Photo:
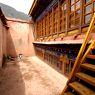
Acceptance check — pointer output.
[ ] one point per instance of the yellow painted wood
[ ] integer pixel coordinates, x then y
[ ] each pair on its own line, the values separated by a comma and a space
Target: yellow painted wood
87, 78
62, 35
81, 89
50, 37
82, 47
91, 56
84, 29
88, 50
73, 32
55, 36
88, 66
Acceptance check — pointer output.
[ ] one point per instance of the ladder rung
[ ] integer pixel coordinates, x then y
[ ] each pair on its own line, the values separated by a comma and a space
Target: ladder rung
91, 56
87, 78
81, 89
88, 66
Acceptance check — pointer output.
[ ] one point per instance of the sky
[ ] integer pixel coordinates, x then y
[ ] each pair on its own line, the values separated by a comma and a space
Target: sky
20, 5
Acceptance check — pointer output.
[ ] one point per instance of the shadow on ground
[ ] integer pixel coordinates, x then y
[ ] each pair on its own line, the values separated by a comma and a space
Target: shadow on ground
11, 80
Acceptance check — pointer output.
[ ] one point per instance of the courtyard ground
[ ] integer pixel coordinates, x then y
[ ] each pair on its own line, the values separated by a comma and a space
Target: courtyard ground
30, 77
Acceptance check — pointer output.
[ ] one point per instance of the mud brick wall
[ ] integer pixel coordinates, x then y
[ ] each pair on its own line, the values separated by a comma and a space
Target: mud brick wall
3, 37
20, 38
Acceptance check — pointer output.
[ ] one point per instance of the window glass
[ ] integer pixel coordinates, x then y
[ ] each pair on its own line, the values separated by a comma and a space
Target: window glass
72, 8
64, 9
72, 2
64, 6
88, 9
74, 12
87, 18
94, 6
78, 5
78, 13
64, 12
72, 16
87, 1
63, 17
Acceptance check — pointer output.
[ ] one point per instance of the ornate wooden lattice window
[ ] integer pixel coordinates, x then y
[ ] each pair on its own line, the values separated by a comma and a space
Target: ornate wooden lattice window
47, 25
38, 31
50, 23
42, 27
74, 13
89, 9
45, 20
63, 13
37, 35
55, 17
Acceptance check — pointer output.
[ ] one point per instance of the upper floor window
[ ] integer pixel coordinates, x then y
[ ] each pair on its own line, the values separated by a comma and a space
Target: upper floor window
89, 8
63, 14
74, 13
55, 18
50, 23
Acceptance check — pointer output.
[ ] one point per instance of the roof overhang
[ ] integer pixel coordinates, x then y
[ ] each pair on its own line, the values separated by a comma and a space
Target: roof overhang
61, 42
3, 19
38, 7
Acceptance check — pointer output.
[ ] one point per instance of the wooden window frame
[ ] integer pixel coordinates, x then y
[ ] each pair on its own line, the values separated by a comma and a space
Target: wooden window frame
74, 13
48, 30
84, 9
50, 24
55, 19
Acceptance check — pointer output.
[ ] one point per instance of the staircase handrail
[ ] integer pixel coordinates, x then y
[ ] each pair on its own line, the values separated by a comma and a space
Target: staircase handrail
92, 46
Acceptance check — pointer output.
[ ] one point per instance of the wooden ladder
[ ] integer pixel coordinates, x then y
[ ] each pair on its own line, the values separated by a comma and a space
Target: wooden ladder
82, 78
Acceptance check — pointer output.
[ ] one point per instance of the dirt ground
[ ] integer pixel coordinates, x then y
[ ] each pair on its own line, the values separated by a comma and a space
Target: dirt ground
30, 77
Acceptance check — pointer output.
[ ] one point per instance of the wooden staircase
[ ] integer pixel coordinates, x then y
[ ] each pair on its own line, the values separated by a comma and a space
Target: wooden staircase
82, 78
84, 81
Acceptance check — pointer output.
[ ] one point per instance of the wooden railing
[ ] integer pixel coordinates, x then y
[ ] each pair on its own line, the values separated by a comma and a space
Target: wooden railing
80, 54
92, 46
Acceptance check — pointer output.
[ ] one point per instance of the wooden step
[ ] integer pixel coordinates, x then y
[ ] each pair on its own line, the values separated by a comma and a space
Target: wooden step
91, 56
88, 66
87, 78
81, 89
68, 93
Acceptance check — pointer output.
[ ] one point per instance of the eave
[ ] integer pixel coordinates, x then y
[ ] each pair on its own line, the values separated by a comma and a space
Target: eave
38, 7
3, 19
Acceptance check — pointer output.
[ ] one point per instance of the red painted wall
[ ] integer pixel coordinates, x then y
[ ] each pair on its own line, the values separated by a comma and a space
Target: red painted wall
20, 38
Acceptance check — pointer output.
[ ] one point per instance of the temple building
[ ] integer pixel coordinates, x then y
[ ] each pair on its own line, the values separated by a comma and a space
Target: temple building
60, 28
